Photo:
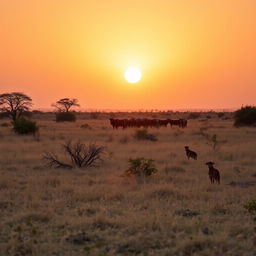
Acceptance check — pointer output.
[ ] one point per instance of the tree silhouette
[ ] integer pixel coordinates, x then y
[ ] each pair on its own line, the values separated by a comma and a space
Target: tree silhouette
64, 105
14, 104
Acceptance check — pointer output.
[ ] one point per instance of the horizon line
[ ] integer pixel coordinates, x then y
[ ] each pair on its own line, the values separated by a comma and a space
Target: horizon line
106, 110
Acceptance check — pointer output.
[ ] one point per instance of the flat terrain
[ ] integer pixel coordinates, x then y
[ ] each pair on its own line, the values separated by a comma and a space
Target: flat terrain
99, 211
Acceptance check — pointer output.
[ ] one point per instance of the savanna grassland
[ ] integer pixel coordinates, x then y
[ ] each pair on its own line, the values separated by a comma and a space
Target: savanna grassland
99, 211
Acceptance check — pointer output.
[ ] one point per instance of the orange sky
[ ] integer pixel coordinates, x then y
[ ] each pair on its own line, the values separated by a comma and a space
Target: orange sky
192, 54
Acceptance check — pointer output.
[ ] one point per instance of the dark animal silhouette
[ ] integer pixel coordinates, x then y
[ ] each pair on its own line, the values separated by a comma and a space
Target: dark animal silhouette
146, 123
190, 153
214, 174
182, 123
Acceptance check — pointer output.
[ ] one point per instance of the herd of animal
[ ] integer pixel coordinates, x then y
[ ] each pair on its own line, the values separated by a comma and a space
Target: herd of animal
146, 123
214, 174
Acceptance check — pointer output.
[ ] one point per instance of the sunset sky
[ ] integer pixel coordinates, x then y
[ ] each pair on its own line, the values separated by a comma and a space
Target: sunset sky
192, 54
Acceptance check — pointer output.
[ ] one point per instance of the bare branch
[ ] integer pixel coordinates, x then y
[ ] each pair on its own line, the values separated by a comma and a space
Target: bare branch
81, 156
53, 161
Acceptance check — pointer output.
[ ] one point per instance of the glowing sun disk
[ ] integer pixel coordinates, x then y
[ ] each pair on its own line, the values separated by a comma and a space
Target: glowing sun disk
132, 75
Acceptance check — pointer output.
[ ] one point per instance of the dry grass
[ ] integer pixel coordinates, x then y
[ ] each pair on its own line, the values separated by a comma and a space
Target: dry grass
98, 211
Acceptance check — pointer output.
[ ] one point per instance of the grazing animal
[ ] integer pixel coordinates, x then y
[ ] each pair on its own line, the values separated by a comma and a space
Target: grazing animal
145, 123
214, 174
182, 123
190, 153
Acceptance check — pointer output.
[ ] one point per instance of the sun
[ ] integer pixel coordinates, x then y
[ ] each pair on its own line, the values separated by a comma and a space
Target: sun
132, 75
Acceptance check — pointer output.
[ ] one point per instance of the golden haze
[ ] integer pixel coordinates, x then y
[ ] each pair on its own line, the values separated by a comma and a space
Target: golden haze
193, 54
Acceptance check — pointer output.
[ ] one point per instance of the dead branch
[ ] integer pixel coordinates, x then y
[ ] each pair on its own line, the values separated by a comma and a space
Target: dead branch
52, 161
80, 154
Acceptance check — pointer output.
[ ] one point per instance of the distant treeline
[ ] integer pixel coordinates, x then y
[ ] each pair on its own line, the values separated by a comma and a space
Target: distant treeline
39, 114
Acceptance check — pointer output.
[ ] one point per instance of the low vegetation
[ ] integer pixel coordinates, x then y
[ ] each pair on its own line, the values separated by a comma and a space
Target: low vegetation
102, 211
211, 139
246, 116
141, 167
251, 208
65, 117
143, 134
24, 126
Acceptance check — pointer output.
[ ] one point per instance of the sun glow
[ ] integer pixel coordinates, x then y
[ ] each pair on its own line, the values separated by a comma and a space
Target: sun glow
132, 75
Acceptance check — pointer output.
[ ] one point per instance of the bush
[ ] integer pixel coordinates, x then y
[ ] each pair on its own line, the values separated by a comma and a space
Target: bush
144, 135
65, 117
251, 208
141, 168
246, 116
24, 126
141, 134
80, 154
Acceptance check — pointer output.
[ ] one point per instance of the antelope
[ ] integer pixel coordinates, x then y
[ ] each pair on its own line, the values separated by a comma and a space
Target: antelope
214, 174
190, 153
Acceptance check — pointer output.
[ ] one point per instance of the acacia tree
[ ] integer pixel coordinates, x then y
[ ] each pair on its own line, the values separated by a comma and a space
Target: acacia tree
14, 104
64, 105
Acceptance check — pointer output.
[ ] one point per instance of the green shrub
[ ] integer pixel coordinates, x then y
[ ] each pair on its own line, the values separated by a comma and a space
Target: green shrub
65, 117
24, 126
246, 116
141, 167
143, 134
251, 207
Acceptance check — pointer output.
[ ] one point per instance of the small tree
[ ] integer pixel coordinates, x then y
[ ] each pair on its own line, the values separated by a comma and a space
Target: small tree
15, 104
246, 116
65, 104
141, 168
211, 139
